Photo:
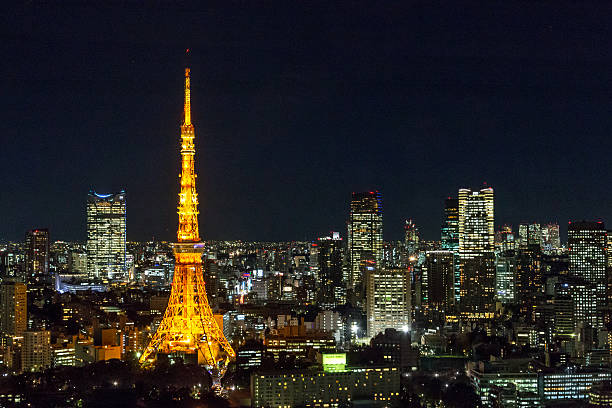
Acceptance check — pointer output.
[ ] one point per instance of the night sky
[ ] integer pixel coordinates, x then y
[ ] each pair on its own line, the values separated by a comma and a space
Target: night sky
296, 105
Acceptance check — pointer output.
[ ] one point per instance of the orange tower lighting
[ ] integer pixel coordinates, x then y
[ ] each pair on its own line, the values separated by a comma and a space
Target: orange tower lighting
188, 325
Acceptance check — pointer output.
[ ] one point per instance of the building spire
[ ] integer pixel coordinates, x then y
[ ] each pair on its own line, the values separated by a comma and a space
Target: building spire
188, 198
187, 98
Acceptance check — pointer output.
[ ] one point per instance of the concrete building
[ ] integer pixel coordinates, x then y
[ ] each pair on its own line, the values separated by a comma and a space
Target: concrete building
13, 308
328, 387
36, 352
388, 300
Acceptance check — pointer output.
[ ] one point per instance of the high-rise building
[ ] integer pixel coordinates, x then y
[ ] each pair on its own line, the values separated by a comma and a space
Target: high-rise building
332, 288
13, 308
587, 255
450, 226
439, 268
36, 353
529, 279
529, 234
388, 300
37, 256
563, 309
550, 239
505, 273
581, 295
365, 239
504, 239
106, 235
411, 238
584, 295
450, 239
476, 252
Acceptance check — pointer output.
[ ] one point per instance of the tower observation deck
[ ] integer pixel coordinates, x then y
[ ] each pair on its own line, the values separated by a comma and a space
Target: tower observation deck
188, 326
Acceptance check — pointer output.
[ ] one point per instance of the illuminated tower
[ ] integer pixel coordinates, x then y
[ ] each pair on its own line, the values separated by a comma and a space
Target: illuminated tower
476, 252
365, 240
188, 326
587, 260
106, 235
37, 255
450, 239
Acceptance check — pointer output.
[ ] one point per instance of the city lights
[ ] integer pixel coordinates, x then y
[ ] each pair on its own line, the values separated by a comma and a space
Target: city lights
342, 247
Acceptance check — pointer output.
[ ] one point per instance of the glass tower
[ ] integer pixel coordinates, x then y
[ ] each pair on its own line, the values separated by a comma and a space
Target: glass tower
332, 288
365, 239
476, 252
106, 235
37, 256
587, 255
450, 239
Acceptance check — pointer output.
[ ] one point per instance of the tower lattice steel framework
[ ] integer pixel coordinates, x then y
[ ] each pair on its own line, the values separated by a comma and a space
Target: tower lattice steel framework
188, 325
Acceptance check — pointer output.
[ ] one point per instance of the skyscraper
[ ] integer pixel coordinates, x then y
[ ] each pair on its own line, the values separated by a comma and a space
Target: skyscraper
450, 239
529, 234
365, 239
411, 238
529, 278
37, 256
505, 273
587, 255
476, 252
13, 308
439, 268
504, 239
388, 299
332, 289
450, 226
106, 235
550, 238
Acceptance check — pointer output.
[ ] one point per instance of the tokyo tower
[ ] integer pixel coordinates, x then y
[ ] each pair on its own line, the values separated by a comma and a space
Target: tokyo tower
188, 325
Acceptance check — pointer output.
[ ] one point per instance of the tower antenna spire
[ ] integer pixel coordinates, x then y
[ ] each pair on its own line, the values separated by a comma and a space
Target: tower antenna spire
187, 92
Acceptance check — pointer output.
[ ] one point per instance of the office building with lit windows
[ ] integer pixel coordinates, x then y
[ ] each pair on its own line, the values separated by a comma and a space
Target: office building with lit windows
529, 280
550, 238
36, 253
450, 239
587, 260
540, 384
365, 240
13, 308
571, 383
332, 386
505, 273
36, 354
529, 234
411, 238
332, 288
439, 268
476, 252
600, 395
106, 235
388, 304
583, 297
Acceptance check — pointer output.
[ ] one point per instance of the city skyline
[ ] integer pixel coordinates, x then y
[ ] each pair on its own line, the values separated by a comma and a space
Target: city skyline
292, 128
306, 205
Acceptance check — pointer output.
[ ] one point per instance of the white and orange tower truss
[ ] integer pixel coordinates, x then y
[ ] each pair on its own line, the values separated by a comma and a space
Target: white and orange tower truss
188, 325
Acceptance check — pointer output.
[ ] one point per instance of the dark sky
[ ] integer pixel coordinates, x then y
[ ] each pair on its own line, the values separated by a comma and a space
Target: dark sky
296, 105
